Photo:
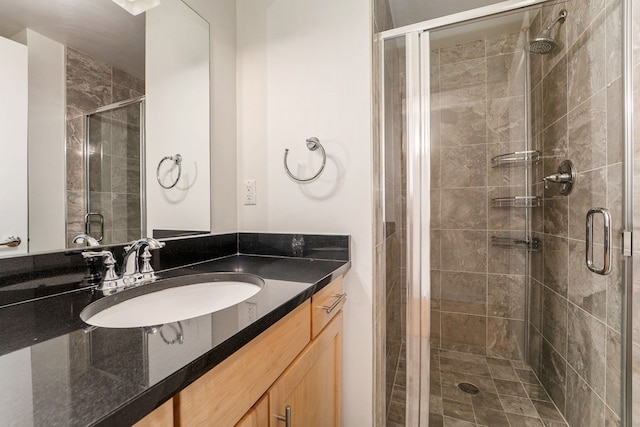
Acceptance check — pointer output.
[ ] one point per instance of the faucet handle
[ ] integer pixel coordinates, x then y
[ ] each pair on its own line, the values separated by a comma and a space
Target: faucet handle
146, 271
109, 263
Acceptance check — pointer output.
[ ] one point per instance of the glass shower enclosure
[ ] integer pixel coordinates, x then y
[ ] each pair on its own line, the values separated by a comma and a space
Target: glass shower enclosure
115, 189
503, 170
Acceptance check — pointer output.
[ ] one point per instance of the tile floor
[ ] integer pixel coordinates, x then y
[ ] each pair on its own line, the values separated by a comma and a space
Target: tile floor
510, 394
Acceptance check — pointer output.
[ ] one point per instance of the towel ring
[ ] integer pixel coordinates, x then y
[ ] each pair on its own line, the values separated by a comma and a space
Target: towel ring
313, 144
177, 159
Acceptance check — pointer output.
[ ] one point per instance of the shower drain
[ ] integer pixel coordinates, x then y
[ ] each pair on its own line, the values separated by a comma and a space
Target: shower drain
468, 388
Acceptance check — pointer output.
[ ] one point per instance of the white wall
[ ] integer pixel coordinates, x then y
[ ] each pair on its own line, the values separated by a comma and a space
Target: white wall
13, 144
221, 15
176, 64
304, 69
47, 184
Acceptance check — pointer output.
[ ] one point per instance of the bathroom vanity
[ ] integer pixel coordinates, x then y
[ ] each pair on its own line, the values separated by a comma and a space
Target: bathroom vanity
274, 355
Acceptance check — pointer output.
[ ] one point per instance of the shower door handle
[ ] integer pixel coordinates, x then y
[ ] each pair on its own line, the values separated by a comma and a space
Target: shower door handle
87, 224
606, 265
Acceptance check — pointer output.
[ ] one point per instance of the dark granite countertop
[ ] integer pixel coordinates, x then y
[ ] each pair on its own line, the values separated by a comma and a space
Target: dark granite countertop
55, 370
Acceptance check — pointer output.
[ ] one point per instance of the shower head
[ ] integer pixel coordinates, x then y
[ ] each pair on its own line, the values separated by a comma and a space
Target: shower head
543, 44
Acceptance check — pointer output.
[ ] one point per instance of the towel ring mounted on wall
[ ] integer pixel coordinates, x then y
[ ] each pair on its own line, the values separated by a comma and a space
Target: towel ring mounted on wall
313, 144
177, 159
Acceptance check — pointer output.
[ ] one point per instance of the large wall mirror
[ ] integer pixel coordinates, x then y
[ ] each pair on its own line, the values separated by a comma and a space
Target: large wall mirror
104, 123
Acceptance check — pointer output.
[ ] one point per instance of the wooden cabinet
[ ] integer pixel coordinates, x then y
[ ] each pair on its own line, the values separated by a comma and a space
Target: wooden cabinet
161, 417
310, 387
258, 416
296, 362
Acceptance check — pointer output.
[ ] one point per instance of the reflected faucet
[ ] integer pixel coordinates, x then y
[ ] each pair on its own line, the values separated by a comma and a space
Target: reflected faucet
131, 272
85, 238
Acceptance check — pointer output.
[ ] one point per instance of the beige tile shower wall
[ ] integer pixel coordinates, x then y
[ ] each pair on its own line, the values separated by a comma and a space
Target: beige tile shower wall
575, 315
477, 113
90, 85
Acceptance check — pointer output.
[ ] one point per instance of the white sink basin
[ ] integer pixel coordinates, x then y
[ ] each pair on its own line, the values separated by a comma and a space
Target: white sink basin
171, 300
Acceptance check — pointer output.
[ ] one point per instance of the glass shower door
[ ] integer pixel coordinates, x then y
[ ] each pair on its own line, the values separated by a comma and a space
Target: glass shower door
115, 184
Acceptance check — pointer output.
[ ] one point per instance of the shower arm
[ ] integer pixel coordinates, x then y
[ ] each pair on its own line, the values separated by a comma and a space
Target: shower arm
561, 17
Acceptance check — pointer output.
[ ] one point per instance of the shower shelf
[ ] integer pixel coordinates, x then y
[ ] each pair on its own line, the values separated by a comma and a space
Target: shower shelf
516, 202
528, 243
516, 158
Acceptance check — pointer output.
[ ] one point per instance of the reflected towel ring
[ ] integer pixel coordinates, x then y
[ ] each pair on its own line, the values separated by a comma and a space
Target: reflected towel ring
177, 159
313, 144
179, 339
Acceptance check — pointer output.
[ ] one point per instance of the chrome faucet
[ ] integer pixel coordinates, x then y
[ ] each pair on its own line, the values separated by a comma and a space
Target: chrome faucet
131, 272
85, 238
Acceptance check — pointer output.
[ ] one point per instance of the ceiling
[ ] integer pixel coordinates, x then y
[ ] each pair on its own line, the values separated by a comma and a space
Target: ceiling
405, 12
99, 28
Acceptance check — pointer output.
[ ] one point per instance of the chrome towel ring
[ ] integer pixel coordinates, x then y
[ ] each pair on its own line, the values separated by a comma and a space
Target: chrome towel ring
177, 159
313, 144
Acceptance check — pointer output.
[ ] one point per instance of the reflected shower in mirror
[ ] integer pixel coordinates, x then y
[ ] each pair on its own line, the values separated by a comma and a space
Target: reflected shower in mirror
78, 63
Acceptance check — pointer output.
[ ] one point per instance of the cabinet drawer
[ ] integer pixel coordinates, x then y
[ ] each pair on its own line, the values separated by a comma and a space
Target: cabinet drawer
325, 304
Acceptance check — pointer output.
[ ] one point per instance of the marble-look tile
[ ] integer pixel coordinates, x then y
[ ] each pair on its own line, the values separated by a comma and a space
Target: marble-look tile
436, 289
506, 75
463, 125
436, 243
486, 400
535, 101
591, 192
584, 408
130, 81
455, 422
505, 338
586, 290
435, 328
614, 372
436, 211
462, 332
535, 304
506, 296
78, 61
464, 208
464, 250
614, 42
554, 320
582, 15
554, 90
587, 132
527, 376
537, 392
449, 388
555, 146
510, 388
463, 166
435, 165
463, 82
125, 140
559, 33
435, 420
463, 52
535, 350
485, 383
502, 372
611, 419
616, 292
463, 368
506, 260
586, 64
75, 169
99, 172
491, 417
547, 410
556, 263
615, 188
504, 43
506, 119
464, 292
125, 175
85, 91
553, 374
101, 202
555, 212
518, 405
126, 211
523, 421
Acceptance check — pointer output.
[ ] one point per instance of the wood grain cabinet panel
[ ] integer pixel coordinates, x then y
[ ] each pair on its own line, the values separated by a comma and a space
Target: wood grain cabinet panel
225, 394
311, 386
325, 304
160, 417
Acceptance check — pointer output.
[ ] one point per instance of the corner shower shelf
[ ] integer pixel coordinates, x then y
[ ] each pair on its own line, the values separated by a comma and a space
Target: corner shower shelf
527, 243
516, 158
516, 202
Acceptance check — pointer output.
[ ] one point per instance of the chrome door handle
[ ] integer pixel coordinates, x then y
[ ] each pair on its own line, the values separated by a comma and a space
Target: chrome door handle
287, 416
606, 267
87, 224
12, 241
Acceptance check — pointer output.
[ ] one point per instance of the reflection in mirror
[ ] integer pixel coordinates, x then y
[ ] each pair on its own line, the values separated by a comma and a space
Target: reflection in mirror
89, 70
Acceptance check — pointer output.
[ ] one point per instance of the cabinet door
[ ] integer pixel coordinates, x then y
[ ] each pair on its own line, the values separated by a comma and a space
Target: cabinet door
311, 385
258, 416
